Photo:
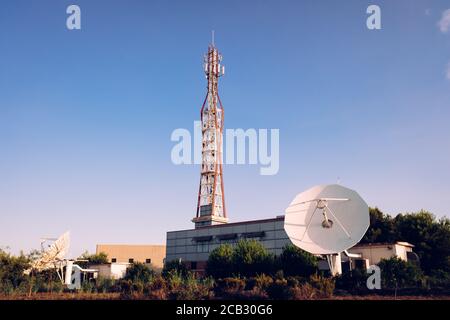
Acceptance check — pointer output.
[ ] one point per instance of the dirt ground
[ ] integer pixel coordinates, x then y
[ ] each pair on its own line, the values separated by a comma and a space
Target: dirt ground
116, 296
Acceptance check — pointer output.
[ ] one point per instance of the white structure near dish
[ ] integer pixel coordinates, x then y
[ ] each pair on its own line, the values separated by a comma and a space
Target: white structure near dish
114, 271
327, 220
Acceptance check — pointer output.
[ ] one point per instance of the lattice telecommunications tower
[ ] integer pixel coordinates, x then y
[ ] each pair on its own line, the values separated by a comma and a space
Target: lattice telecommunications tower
211, 198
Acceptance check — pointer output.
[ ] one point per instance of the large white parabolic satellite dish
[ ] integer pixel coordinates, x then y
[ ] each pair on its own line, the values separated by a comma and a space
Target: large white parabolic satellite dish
326, 219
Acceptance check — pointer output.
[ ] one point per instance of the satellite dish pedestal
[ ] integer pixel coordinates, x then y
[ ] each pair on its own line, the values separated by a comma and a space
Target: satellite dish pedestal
334, 262
68, 275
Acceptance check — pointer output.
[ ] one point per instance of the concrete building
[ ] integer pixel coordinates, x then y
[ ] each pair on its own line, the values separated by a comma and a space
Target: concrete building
374, 252
129, 253
193, 246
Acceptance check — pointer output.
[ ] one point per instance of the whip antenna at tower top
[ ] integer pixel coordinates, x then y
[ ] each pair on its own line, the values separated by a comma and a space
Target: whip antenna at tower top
212, 37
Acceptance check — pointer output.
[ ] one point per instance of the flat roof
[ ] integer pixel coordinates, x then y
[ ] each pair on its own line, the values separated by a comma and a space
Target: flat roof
383, 244
278, 218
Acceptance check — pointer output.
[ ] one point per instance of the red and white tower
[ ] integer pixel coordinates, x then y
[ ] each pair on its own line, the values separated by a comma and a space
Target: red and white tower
211, 198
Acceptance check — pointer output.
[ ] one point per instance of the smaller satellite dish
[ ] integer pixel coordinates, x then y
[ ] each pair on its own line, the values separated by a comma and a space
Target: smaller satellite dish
326, 219
54, 257
55, 253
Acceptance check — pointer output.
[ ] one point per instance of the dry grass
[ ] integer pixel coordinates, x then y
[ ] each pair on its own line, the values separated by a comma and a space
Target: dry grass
116, 296
63, 296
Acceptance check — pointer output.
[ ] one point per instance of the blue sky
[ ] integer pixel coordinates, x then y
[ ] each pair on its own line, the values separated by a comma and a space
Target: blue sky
86, 116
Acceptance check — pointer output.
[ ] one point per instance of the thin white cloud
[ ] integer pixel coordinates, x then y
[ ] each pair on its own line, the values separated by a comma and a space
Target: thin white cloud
444, 23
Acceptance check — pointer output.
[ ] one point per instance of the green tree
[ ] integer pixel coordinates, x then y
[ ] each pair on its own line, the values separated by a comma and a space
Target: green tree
382, 228
247, 258
430, 237
397, 273
139, 272
220, 262
250, 258
90, 259
11, 271
296, 262
99, 258
174, 266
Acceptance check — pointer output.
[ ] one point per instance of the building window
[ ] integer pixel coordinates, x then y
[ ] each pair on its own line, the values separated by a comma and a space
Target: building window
193, 265
203, 247
113, 260
148, 260
131, 260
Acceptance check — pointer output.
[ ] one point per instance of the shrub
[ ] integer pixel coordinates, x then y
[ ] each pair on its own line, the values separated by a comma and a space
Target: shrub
250, 258
125, 286
6, 287
87, 287
193, 291
220, 263
354, 281
157, 289
100, 258
263, 281
324, 286
438, 279
396, 273
230, 285
130, 290
174, 266
12, 271
295, 281
138, 287
254, 294
303, 291
296, 262
139, 272
279, 290
247, 259
104, 285
191, 288
174, 279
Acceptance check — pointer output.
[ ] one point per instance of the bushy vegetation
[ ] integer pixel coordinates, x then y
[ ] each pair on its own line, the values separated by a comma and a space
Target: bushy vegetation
398, 273
12, 272
175, 266
430, 236
14, 281
97, 258
247, 270
431, 240
296, 262
249, 258
220, 262
139, 273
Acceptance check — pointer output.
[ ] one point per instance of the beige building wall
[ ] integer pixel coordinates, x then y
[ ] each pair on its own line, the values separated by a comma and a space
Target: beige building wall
376, 252
126, 253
